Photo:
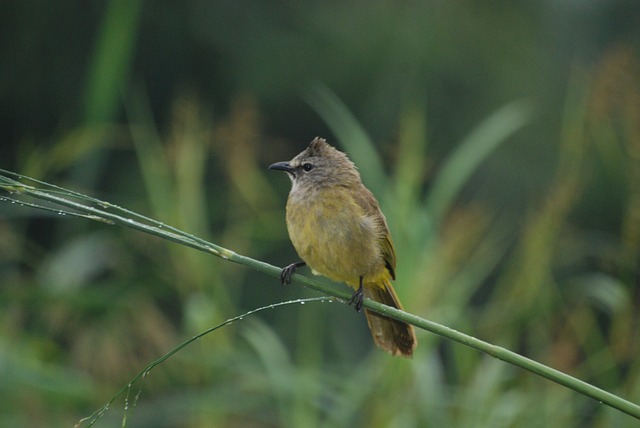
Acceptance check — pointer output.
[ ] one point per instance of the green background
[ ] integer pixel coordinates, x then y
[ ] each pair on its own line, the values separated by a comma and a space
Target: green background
501, 138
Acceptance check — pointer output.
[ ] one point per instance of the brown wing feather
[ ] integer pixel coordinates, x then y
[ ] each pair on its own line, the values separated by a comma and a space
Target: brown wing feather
370, 206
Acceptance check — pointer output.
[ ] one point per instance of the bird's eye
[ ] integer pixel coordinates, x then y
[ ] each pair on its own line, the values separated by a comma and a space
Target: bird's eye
307, 167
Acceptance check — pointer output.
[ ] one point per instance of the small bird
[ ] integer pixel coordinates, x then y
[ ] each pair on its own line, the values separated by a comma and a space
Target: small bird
337, 228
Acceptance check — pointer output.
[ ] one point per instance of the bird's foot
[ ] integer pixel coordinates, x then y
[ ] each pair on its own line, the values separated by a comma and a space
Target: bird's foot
287, 272
357, 298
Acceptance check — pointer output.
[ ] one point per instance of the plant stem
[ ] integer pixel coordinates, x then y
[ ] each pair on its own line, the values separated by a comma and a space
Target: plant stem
100, 211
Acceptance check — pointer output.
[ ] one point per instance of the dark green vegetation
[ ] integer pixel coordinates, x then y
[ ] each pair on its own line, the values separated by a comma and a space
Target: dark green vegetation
502, 140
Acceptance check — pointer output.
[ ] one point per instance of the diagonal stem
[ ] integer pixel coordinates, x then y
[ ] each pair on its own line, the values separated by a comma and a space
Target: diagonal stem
100, 211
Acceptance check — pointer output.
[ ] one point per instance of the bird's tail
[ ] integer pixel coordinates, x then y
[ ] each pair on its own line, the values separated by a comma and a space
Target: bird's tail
395, 337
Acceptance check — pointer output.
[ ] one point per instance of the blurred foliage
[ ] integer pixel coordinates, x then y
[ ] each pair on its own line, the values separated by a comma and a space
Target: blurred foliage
515, 221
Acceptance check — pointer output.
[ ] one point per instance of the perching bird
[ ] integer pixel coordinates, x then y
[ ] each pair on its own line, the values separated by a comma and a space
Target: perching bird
337, 228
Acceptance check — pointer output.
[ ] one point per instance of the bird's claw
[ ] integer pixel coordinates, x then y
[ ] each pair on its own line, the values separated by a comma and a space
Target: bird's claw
356, 299
287, 272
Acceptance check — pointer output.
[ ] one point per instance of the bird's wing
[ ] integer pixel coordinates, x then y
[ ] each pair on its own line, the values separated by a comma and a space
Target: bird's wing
371, 208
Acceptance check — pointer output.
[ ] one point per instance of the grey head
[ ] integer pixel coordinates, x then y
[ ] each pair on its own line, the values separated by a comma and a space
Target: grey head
320, 165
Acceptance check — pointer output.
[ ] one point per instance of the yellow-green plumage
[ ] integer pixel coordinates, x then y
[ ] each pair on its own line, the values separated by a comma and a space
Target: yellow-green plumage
329, 228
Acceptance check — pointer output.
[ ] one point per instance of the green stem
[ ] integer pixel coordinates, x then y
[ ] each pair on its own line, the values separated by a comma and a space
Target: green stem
510, 357
144, 224
91, 419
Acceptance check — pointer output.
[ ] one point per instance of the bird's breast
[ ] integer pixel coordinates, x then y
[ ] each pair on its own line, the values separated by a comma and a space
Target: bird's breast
334, 236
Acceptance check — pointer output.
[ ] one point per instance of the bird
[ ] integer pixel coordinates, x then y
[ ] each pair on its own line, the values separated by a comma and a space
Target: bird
338, 230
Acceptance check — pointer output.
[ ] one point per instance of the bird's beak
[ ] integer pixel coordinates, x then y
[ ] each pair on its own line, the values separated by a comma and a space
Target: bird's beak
281, 166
